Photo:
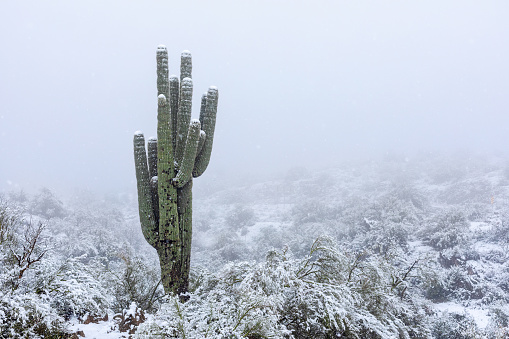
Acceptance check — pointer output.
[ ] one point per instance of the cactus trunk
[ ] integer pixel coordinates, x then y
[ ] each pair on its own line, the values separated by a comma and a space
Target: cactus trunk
164, 175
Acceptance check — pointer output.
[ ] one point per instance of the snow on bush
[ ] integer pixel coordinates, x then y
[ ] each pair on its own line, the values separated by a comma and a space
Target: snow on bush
326, 294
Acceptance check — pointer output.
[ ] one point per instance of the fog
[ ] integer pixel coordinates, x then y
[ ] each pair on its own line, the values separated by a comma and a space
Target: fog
300, 83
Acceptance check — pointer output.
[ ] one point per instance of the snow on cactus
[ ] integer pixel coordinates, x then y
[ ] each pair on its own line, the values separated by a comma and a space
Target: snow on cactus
180, 152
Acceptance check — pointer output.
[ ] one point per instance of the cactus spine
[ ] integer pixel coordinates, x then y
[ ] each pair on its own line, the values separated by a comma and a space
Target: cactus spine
165, 174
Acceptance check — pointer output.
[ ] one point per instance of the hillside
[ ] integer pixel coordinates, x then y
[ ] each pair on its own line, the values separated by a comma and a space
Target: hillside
398, 247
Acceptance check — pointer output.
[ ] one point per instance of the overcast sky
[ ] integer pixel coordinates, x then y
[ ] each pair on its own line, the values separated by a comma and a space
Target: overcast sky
306, 83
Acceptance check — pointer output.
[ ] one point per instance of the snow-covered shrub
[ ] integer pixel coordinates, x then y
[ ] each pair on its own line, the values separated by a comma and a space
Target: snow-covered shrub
129, 319
382, 225
75, 289
326, 294
134, 280
313, 211
29, 315
40, 288
240, 216
47, 205
89, 234
9, 218
498, 327
25, 311
446, 230
500, 227
24, 251
228, 246
455, 326
382, 238
435, 288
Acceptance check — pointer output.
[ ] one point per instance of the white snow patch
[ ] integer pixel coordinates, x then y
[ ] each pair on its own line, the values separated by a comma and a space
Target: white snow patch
102, 330
419, 247
480, 316
477, 226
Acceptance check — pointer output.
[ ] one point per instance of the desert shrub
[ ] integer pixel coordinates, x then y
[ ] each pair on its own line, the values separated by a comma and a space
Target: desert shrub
29, 316
323, 295
313, 211
500, 228
455, 326
47, 205
134, 279
75, 288
435, 289
498, 326
240, 216
39, 288
446, 230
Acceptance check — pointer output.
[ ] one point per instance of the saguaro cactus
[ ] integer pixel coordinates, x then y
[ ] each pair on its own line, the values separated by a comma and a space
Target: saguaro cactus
165, 175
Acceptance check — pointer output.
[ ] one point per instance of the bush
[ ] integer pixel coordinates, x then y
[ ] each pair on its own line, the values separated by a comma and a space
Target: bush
240, 216
323, 295
455, 326
29, 316
447, 230
46, 204
135, 280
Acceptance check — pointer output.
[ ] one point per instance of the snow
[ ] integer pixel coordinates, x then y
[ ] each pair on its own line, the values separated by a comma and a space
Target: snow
102, 330
138, 133
476, 226
480, 316
161, 99
132, 310
419, 247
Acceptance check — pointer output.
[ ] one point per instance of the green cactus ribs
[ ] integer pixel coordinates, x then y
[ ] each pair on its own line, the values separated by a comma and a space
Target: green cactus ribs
166, 167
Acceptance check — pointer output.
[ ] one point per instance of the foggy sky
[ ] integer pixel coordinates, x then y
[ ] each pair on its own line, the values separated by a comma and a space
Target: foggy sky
300, 83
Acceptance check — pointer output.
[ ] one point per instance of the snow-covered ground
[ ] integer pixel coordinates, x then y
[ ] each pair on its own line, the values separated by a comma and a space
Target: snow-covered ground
101, 330
480, 315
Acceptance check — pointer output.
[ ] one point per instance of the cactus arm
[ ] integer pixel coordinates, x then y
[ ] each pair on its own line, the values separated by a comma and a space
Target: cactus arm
201, 142
186, 65
162, 71
187, 164
203, 107
152, 157
203, 135
184, 116
155, 200
174, 106
208, 121
147, 218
